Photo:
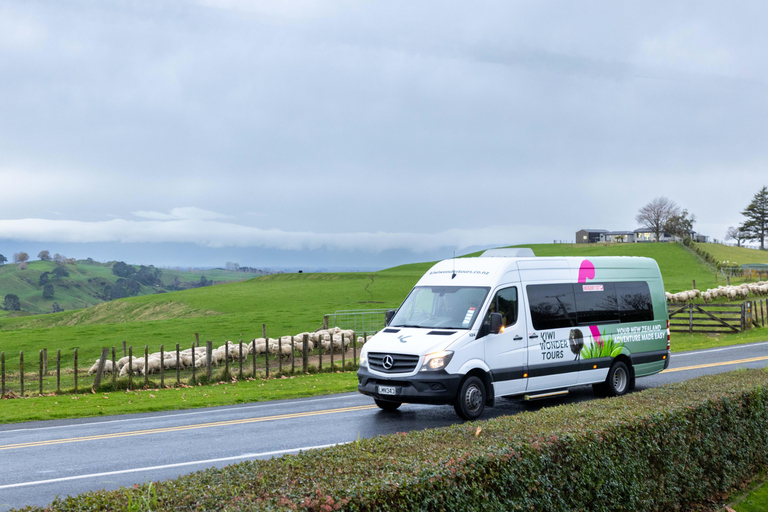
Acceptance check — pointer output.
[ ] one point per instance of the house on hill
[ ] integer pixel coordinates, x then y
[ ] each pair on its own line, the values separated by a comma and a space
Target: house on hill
640, 235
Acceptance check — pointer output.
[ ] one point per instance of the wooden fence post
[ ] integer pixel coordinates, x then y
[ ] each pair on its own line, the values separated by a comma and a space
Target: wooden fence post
21, 371
75, 370
41, 372
266, 351
304, 355
354, 349
100, 370
280, 355
178, 363
320, 355
58, 370
197, 339
114, 369
146, 366
293, 355
124, 351
226, 359
332, 348
325, 322
130, 367
208, 355
193, 362
690, 318
241, 359
2, 371
253, 353
343, 354
162, 365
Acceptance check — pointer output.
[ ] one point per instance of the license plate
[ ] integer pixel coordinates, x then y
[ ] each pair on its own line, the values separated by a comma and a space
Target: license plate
387, 390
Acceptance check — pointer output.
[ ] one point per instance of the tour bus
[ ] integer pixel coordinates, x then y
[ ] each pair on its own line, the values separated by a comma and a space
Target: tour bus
510, 324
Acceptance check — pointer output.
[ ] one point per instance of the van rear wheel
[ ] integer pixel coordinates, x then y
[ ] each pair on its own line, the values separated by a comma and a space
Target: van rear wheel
470, 401
387, 406
618, 380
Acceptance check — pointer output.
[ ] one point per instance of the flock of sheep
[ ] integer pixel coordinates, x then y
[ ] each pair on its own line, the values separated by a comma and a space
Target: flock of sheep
334, 339
731, 292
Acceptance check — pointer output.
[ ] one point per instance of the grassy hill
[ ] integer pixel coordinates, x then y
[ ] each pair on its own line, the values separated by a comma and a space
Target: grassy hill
286, 303
85, 284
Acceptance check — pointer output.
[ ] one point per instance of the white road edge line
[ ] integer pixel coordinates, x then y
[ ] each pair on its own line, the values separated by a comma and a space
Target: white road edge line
706, 351
206, 410
168, 466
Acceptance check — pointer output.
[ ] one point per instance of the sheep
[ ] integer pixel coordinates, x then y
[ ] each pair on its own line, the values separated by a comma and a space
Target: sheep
137, 364
95, 367
153, 366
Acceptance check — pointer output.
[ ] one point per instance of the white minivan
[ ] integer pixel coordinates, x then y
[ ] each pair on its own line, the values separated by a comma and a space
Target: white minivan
508, 323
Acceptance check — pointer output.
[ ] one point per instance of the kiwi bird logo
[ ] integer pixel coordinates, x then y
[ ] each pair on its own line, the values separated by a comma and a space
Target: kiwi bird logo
576, 342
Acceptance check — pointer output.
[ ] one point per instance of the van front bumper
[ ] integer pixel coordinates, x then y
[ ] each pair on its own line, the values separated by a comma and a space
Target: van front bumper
424, 388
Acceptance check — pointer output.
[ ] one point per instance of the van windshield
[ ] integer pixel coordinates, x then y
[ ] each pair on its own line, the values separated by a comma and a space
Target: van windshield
443, 307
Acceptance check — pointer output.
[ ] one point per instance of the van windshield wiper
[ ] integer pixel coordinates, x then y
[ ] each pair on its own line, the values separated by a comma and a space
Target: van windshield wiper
417, 326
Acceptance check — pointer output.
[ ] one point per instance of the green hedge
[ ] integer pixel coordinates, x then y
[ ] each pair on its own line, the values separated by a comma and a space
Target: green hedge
667, 448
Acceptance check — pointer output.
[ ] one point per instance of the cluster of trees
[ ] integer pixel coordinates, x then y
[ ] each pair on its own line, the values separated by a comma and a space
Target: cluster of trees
130, 280
662, 215
755, 227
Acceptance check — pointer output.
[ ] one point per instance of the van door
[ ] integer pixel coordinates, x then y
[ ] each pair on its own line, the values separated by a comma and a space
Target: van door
551, 363
505, 353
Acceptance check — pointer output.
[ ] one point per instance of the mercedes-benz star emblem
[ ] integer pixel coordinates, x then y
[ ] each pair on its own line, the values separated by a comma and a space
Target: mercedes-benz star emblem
388, 363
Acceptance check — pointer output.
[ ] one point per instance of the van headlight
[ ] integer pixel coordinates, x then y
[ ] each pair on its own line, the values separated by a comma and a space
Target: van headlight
363, 362
436, 361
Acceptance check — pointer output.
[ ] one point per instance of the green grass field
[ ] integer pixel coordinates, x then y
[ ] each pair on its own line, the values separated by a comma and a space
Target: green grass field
84, 286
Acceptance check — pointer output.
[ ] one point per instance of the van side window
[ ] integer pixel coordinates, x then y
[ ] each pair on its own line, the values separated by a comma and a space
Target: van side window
568, 305
505, 302
635, 304
596, 303
552, 306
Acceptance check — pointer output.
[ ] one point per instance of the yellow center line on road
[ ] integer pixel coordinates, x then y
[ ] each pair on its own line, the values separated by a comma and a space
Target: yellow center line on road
187, 427
724, 363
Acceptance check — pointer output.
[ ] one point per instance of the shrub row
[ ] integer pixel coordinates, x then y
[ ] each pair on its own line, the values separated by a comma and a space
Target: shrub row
668, 448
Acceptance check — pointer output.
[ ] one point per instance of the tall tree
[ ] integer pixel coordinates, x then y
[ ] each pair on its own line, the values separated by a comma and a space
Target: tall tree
20, 257
680, 225
44, 278
3, 259
756, 225
656, 214
48, 291
12, 302
44, 255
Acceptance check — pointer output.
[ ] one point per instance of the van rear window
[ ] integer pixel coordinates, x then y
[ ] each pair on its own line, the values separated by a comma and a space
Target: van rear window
570, 304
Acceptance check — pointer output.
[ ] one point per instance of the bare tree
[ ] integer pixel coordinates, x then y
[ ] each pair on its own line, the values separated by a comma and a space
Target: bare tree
735, 234
655, 215
44, 255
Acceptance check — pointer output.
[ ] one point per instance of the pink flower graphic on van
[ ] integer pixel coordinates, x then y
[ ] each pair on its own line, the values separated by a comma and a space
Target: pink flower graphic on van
586, 271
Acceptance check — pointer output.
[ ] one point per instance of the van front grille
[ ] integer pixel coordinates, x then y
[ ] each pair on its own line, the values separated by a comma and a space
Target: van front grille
392, 363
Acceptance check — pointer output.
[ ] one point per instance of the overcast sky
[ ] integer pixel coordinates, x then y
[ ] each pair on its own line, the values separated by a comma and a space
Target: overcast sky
368, 134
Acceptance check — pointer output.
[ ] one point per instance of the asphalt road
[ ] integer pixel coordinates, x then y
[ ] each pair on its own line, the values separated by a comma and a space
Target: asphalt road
41, 460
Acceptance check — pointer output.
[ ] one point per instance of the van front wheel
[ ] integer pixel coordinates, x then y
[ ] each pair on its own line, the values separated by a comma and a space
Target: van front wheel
470, 401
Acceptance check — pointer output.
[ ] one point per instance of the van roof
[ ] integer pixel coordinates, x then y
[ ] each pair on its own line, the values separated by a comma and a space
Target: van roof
490, 270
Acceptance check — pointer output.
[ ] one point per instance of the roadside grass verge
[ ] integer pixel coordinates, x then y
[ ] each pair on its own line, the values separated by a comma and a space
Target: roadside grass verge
87, 404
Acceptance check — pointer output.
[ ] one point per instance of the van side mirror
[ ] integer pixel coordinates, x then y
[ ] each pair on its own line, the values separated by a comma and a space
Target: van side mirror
496, 323
388, 316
